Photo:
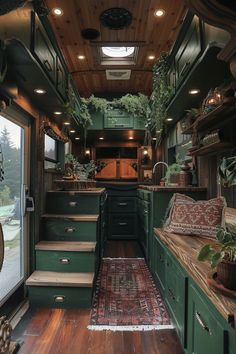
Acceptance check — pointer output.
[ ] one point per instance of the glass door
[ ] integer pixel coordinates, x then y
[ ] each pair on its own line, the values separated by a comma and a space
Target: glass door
14, 140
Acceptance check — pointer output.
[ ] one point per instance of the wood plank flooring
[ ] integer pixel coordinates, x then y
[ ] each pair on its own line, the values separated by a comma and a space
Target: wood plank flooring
56, 331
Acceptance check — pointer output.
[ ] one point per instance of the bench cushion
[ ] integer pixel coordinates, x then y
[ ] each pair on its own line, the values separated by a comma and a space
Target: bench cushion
197, 218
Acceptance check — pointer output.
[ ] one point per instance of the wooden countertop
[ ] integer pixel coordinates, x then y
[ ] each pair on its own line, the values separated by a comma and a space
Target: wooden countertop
156, 188
89, 191
185, 249
72, 217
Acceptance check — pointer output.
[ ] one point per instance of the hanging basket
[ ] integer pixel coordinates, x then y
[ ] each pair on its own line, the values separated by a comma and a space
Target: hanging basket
9, 5
54, 132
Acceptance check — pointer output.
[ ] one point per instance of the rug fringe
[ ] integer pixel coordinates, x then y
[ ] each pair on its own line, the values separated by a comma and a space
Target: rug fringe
129, 328
122, 258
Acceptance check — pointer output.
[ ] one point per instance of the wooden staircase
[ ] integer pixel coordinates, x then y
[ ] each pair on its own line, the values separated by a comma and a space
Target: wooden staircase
66, 259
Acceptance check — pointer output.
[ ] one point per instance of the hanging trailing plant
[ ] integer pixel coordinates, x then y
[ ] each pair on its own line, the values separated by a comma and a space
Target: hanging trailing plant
97, 103
159, 98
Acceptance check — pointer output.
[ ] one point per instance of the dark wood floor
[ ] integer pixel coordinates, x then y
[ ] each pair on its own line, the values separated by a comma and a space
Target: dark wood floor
55, 331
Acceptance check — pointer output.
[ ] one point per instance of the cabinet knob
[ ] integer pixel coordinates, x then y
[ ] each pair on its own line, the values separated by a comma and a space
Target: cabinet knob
70, 229
73, 204
123, 223
65, 260
59, 298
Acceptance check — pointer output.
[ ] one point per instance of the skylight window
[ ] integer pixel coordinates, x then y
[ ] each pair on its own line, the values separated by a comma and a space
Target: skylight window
118, 52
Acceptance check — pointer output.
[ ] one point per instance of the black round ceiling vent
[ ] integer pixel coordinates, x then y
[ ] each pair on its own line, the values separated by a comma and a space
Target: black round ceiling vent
116, 18
90, 34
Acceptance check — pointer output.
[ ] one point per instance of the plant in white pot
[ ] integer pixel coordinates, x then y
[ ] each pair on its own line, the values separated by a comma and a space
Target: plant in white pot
222, 256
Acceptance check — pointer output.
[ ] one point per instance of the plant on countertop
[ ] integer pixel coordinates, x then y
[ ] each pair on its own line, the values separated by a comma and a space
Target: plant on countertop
227, 171
173, 169
222, 254
74, 167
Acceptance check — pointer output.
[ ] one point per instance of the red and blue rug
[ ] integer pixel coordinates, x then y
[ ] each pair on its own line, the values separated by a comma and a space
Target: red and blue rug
126, 298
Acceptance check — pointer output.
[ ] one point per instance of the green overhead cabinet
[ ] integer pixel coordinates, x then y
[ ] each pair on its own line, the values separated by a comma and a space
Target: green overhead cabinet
189, 50
118, 119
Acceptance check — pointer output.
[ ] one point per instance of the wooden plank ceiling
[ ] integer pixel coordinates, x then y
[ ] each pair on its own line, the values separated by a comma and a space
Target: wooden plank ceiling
157, 34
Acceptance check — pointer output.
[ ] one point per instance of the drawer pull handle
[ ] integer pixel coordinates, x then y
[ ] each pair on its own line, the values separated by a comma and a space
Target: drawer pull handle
119, 125
201, 322
69, 229
59, 298
73, 204
65, 260
48, 65
145, 211
122, 204
123, 223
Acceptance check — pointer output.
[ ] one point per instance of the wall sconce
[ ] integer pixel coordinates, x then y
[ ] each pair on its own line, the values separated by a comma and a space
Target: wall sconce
87, 152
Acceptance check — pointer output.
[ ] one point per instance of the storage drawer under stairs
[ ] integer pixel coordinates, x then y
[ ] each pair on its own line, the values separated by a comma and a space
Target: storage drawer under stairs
61, 256
70, 227
63, 290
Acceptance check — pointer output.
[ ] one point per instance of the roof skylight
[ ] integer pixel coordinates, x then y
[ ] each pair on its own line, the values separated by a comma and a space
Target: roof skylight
118, 52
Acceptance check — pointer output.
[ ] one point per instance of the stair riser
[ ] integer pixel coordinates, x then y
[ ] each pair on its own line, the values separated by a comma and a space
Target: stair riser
41, 296
64, 230
62, 203
56, 261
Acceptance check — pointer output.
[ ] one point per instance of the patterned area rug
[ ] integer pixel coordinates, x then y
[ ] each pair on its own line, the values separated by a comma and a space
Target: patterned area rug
126, 298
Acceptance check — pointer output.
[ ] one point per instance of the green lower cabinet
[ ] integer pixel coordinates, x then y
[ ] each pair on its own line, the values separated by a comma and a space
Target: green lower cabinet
63, 261
122, 226
175, 294
65, 297
205, 332
159, 262
66, 230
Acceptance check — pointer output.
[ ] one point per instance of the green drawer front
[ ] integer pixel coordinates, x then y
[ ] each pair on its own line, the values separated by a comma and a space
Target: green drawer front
205, 333
122, 204
122, 226
144, 195
63, 230
159, 262
65, 297
63, 203
118, 119
61, 261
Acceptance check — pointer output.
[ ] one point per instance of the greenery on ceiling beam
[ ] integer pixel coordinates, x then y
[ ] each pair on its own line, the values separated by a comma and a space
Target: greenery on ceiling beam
159, 98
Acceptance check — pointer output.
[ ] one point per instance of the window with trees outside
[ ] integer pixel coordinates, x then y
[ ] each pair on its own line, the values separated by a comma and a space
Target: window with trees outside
50, 152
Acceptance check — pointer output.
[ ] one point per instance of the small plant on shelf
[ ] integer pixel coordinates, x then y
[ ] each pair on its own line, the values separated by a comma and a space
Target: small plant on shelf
222, 255
227, 171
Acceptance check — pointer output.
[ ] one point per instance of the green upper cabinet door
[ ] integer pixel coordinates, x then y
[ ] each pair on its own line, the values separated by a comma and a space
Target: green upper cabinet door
205, 332
61, 82
43, 50
97, 119
189, 50
118, 119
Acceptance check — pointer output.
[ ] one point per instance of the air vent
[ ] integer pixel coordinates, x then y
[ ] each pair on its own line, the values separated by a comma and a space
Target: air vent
90, 34
118, 74
116, 18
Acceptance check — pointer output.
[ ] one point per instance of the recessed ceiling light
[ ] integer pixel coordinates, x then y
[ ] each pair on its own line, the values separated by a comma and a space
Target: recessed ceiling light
81, 57
40, 91
72, 131
77, 138
57, 113
169, 119
66, 123
194, 91
57, 11
131, 137
151, 57
159, 13
101, 138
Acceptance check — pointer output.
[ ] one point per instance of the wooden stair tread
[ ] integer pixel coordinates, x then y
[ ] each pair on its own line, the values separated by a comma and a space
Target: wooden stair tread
44, 278
72, 217
71, 246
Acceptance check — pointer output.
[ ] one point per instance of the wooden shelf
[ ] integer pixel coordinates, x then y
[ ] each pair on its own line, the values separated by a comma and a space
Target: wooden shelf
212, 148
218, 115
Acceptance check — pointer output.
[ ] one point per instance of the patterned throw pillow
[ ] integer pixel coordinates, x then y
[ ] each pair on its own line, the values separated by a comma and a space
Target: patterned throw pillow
198, 218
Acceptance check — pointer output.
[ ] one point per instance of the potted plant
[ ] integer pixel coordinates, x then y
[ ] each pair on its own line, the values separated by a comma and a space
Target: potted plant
222, 256
227, 171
